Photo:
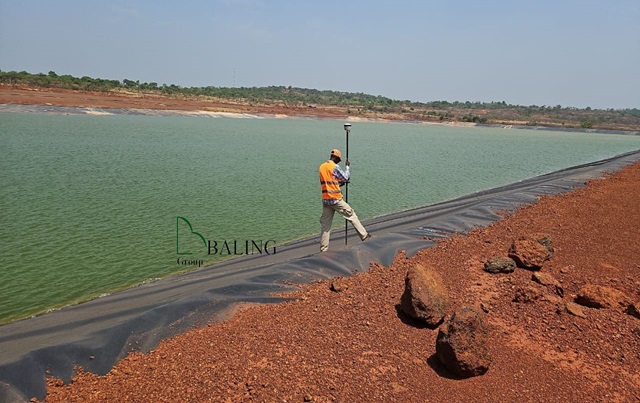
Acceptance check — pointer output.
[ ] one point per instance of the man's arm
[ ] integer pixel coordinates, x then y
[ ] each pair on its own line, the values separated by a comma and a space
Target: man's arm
340, 175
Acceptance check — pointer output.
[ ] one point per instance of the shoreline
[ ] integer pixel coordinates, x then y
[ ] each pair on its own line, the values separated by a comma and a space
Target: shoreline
340, 263
104, 111
99, 103
112, 111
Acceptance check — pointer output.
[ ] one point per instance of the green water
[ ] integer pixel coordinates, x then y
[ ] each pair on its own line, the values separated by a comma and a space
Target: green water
89, 203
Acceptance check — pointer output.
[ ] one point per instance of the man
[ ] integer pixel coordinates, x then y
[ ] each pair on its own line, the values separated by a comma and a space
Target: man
331, 178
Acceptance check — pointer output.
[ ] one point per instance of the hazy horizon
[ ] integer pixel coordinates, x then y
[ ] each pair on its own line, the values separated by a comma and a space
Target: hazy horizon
570, 53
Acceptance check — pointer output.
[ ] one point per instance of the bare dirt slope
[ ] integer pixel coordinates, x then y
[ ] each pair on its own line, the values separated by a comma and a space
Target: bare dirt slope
62, 97
353, 345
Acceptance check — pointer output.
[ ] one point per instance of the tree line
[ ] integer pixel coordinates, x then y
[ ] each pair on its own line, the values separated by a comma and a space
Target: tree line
355, 103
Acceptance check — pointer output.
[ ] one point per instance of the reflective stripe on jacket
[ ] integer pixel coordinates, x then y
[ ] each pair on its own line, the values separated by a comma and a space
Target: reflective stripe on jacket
330, 186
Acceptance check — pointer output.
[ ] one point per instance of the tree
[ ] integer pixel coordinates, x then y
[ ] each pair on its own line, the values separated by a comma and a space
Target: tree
130, 83
586, 125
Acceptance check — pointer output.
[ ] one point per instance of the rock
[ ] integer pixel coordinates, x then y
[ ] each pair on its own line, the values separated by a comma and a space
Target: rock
528, 253
527, 294
545, 240
634, 309
462, 343
425, 297
596, 296
548, 281
567, 269
553, 298
338, 285
574, 309
499, 264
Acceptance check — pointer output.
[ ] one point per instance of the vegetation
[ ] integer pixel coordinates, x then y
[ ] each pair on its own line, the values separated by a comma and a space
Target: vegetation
357, 104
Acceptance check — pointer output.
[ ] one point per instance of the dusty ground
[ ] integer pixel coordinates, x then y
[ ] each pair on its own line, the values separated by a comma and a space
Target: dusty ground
61, 97
122, 99
353, 346
126, 99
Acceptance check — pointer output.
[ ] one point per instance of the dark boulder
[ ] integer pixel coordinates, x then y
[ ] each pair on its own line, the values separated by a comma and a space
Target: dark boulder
462, 343
499, 264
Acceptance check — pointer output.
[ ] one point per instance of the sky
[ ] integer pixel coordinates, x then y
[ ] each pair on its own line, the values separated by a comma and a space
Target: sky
562, 52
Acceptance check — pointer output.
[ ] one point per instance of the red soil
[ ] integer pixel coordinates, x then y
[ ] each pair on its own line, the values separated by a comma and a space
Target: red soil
352, 346
62, 97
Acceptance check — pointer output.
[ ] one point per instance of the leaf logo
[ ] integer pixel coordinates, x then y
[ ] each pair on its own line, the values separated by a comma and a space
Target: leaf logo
192, 232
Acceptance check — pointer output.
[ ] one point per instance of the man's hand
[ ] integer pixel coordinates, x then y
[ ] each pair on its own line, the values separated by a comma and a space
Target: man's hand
346, 163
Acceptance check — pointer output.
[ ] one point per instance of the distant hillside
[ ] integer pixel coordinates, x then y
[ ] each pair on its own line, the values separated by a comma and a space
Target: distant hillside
355, 104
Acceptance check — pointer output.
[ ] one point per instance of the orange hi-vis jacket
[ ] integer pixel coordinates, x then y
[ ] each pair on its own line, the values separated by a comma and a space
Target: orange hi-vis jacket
330, 186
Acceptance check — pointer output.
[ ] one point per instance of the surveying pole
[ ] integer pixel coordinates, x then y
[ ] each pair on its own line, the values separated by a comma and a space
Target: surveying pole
347, 128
